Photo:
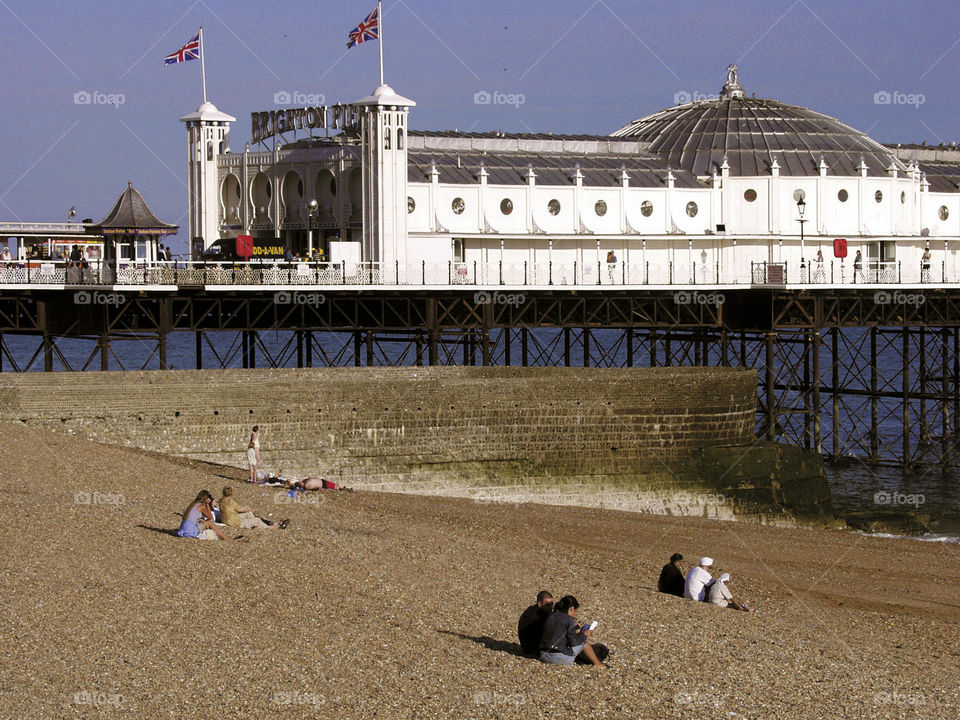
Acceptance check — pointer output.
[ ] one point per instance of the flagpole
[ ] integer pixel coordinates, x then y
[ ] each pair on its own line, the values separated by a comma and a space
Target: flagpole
203, 69
380, 20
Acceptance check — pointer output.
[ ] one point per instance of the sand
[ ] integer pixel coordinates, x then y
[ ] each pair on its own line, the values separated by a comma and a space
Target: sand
375, 605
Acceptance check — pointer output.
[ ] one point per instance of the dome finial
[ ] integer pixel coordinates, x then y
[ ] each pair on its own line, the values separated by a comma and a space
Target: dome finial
732, 88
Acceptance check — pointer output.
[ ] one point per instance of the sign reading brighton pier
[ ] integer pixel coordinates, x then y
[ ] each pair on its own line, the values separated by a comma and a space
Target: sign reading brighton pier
274, 122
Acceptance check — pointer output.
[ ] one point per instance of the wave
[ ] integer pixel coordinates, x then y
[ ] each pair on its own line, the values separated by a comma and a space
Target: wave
950, 539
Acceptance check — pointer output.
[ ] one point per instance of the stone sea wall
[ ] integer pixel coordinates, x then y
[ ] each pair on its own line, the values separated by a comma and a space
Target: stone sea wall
669, 440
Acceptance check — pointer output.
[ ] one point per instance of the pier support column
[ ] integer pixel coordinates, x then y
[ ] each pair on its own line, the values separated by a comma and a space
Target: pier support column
299, 335
586, 347
104, 352
165, 311
874, 410
835, 390
817, 409
629, 347
309, 348
944, 399
771, 399
905, 369
434, 330
524, 348
198, 342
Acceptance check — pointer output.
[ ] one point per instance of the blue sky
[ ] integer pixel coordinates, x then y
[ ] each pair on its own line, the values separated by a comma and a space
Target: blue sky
585, 67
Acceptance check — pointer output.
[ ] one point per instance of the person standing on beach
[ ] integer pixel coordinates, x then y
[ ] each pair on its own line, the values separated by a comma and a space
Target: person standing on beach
530, 625
671, 577
697, 580
253, 453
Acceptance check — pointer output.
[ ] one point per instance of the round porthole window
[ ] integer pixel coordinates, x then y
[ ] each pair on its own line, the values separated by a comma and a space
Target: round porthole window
646, 208
944, 212
843, 195
553, 207
878, 196
458, 206
903, 198
750, 195
411, 205
600, 208
799, 195
692, 209
506, 206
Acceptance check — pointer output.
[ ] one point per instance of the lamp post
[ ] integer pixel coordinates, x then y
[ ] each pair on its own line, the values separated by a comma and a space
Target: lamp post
312, 209
801, 207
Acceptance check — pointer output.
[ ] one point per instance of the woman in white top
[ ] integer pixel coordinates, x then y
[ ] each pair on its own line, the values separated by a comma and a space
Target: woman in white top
253, 453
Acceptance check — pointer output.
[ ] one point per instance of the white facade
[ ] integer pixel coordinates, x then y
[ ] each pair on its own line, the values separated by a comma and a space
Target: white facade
517, 209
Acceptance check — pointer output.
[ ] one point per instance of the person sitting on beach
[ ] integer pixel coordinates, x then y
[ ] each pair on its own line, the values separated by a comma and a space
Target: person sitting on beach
720, 595
671, 577
197, 520
564, 639
241, 517
530, 625
698, 578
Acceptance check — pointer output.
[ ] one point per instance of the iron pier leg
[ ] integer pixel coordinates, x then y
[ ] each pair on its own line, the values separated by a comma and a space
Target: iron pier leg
874, 400
299, 348
629, 347
922, 377
370, 353
104, 352
434, 330
956, 381
506, 346
309, 348
817, 438
198, 343
724, 348
419, 342
771, 389
835, 390
524, 356
906, 397
586, 347
944, 399
807, 400
357, 344
652, 339
566, 347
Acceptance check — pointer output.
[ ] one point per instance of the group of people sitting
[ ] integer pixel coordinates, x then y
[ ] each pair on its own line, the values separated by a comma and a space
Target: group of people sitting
199, 520
698, 584
552, 632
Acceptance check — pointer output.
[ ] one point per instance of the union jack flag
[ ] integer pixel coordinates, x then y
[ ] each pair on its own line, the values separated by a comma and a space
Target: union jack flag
369, 29
190, 51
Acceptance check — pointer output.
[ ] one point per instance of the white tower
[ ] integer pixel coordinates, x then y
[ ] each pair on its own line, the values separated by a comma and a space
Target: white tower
208, 135
383, 124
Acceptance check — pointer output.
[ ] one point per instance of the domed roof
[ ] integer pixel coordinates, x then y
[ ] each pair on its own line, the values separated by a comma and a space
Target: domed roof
752, 133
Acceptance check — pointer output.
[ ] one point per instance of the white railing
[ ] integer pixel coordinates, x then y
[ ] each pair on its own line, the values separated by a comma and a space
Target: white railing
543, 274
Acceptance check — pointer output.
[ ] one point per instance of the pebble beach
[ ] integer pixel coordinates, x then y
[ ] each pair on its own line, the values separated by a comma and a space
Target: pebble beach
378, 605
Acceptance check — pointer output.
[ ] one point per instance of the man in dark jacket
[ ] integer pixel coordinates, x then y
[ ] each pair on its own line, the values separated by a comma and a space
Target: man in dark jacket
671, 577
530, 626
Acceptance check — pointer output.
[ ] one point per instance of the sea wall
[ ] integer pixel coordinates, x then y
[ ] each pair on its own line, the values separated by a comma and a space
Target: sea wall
669, 440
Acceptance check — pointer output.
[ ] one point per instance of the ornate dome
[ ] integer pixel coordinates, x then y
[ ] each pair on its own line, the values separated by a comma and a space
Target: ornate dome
752, 133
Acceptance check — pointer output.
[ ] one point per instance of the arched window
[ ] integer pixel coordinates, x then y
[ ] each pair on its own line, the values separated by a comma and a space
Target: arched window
209, 151
399, 138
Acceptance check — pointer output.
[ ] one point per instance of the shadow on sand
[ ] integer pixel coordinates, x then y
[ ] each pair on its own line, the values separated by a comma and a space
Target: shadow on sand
164, 531
489, 643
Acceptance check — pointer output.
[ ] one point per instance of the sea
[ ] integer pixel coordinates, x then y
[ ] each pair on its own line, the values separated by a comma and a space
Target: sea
857, 487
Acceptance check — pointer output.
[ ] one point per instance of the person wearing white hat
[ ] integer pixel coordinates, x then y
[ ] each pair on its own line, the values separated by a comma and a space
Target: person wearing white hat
721, 595
697, 579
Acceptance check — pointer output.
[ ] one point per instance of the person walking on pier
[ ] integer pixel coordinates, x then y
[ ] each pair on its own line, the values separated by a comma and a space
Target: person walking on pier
925, 266
858, 268
611, 265
253, 453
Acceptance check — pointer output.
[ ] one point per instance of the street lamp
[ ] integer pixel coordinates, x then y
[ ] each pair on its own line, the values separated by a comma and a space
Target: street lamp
312, 209
801, 207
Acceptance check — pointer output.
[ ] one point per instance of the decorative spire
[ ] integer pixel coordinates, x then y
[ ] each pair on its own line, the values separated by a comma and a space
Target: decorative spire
732, 88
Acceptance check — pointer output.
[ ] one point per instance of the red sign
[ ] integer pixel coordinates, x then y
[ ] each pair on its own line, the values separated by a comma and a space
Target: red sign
244, 246
840, 248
